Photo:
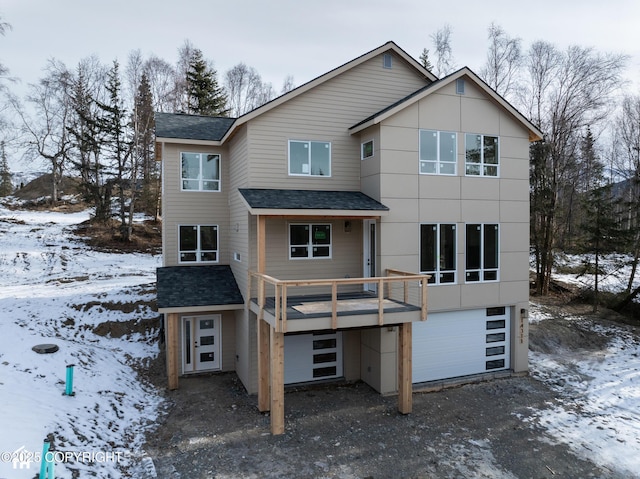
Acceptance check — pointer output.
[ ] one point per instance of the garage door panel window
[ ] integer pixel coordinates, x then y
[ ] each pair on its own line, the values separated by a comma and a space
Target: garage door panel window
198, 243
308, 241
438, 252
482, 253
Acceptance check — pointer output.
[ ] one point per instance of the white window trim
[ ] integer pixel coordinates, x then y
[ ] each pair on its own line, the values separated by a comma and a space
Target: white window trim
373, 151
308, 174
439, 162
482, 268
200, 179
482, 163
436, 274
198, 251
310, 244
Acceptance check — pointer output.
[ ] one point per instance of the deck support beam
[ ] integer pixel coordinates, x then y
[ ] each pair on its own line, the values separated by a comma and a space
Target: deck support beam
277, 382
405, 385
264, 397
172, 350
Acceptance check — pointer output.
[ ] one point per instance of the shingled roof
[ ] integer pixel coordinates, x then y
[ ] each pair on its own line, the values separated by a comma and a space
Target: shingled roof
191, 127
310, 199
194, 286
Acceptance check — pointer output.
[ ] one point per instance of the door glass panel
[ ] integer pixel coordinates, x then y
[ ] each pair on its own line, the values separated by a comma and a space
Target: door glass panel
187, 342
207, 340
206, 324
206, 357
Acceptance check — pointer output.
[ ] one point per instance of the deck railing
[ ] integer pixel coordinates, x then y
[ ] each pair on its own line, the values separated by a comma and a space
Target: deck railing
387, 288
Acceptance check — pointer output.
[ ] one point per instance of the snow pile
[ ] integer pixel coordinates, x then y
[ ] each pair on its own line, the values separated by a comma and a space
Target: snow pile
56, 290
598, 393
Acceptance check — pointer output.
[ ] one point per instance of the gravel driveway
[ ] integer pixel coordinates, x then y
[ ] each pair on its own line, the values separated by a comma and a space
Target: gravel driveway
214, 430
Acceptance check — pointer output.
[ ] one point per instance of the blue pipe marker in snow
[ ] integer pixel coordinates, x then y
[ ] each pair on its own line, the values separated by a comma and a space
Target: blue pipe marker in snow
69, 387
46, 465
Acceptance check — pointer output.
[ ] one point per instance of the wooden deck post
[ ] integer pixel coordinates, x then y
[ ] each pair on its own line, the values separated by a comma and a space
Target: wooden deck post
405, 387
172, 350
264, 398
277, 382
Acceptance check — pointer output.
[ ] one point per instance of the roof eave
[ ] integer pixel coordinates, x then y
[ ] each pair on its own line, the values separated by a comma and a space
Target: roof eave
164, 139
317, 213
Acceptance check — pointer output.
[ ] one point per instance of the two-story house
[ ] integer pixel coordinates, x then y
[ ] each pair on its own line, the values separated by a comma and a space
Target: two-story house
299, 240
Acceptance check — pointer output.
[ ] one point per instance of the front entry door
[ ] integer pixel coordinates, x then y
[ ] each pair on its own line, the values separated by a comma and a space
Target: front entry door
369, 257
201, 343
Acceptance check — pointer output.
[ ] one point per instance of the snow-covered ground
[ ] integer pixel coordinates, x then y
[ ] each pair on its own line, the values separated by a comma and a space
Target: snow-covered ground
54, 289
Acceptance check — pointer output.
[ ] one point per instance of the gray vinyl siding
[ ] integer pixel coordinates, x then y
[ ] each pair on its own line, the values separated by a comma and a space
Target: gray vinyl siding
324, 114
193, 207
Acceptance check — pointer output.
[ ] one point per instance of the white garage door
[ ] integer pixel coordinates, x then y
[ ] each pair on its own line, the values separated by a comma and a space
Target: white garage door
460, 343
312, 357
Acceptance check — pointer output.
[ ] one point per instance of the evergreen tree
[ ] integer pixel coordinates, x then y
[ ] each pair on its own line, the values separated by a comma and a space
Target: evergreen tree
85, 129
204, 94
424, 59
6, 187
143, 162
601, 230
114, 130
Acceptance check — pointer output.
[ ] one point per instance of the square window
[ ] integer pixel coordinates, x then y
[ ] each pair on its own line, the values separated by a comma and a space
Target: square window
200, 171
198, 243
307, 241
482, 156
309, 158
438, 152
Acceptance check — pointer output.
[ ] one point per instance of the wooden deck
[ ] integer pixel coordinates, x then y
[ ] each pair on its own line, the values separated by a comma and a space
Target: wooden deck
400, 298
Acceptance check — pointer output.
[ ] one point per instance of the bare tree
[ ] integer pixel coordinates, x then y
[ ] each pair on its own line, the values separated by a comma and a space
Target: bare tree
46, 131
287, 84
4, 71
161, 77
627, 167
443, 53
503, 61
566, 93
245, 89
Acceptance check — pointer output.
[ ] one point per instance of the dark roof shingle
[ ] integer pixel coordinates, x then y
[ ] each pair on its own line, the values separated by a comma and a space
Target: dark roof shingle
191, 127
188, 286
310, 199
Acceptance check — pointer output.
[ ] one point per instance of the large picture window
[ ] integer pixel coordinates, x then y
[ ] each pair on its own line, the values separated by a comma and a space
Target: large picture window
198, 243
482, 252
309, 158
308, 241
482, 155
200, 171
438, 252
438, 152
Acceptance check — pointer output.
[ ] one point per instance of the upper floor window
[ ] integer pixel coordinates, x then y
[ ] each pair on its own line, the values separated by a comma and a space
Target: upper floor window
438, 152
482, 252
482, 155
309, 158
309, 241
198, 243
438, 252
366, 150
200, 171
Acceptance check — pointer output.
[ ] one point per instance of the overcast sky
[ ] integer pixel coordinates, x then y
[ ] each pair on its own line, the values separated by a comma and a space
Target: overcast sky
302, 38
